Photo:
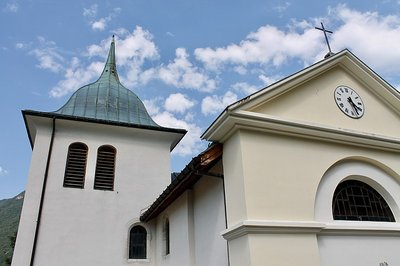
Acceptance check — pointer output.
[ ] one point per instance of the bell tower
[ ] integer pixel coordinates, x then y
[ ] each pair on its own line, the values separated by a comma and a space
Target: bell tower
96, 162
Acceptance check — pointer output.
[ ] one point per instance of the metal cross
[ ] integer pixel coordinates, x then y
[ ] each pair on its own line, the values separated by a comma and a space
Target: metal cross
326, 37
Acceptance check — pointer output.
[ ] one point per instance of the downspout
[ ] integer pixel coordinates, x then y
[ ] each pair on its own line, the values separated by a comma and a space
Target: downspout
46, 173
226, 219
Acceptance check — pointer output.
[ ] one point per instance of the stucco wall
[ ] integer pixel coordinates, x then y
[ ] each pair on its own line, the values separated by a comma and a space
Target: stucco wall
196, 221
281, 176
313, 101
87, 226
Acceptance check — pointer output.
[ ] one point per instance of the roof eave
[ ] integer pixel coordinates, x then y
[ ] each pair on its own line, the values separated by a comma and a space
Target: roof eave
180, 132
185, 180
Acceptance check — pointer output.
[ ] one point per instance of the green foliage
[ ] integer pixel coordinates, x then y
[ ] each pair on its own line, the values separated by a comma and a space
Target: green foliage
10, 211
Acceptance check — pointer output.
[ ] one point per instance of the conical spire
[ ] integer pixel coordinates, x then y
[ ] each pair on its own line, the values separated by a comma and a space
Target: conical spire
110, 68
107, 99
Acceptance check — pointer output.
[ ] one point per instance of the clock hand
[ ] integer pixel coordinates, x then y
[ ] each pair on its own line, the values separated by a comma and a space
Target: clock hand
355, 107
352, 103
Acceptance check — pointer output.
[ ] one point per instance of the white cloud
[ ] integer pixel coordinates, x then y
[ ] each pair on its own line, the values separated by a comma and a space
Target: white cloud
191, 143
282, 7
244, 88
3, 171
215, 104
75, 77
268, 80
181, 73
21, 45
153, 105
12, 7
99, 24
91, 11
133, 49
178, 102
241, 70
48, 55
268, 45
371, 36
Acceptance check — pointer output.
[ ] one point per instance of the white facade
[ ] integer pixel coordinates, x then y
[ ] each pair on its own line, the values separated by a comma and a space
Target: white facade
196, 221
88, 226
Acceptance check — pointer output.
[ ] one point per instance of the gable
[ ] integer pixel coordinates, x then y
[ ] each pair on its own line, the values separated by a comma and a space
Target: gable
313, 102
304, 104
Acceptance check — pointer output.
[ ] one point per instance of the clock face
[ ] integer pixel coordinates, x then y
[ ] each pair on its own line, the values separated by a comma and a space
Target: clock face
349, 102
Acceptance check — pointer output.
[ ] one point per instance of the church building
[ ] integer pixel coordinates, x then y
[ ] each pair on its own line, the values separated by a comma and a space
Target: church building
303, 172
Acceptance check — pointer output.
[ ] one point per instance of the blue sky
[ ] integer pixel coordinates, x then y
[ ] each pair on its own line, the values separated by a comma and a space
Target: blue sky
185, 59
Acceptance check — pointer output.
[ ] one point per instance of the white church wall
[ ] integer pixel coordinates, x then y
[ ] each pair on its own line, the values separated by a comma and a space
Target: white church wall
180, 219
97, 219
359, 250
27, 225
209, 222
196, 220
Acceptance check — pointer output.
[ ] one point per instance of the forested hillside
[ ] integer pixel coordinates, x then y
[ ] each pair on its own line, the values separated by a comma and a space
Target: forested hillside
10, 210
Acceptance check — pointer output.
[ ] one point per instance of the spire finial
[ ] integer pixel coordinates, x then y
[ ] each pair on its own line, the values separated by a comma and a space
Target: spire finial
326, 39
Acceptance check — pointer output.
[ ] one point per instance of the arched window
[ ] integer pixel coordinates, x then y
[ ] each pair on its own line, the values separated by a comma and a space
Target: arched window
105, 168
166, 236
356, 201
138, 242
75, 168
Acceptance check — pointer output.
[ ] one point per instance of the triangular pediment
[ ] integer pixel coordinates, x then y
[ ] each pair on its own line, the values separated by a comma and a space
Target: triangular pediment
308, 98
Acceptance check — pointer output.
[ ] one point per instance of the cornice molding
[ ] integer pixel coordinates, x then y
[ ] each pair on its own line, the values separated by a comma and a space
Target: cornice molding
311, 227
264, 123
272, 227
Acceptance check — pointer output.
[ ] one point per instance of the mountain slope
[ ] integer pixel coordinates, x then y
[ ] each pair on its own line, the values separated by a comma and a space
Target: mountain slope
10, 210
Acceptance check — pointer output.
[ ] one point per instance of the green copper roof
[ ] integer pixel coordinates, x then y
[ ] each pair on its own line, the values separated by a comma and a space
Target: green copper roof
107, 99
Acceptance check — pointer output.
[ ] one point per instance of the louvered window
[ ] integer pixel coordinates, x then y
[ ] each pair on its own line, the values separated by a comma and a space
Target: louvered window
105, 168
356, 201
76, 165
